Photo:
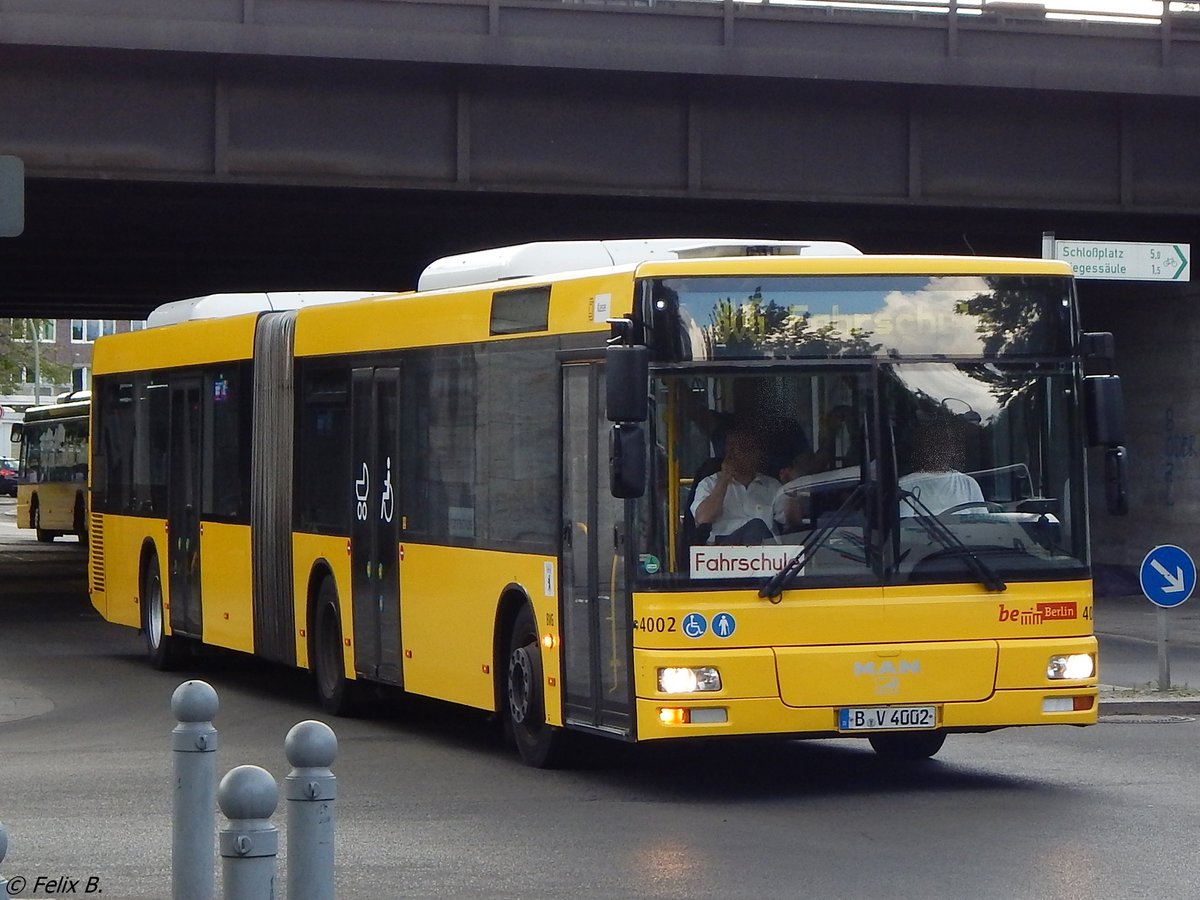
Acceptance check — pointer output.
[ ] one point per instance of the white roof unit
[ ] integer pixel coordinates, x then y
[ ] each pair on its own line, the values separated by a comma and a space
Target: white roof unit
220, 306
549, 257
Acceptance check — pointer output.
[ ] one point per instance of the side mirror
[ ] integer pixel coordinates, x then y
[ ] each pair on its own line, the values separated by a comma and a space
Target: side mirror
1105, 410
627, 461
1114, 481
1098, 345
626, 382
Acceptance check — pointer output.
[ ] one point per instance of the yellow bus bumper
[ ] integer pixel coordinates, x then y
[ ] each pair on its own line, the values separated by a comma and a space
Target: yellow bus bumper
769, 716
751, 702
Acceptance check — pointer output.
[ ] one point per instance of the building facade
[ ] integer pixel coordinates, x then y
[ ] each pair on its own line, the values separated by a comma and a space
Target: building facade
60, 361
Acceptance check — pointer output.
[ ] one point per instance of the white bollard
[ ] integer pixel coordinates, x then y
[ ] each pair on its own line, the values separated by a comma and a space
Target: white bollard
249, 845
194, 742
3, 851
311, 792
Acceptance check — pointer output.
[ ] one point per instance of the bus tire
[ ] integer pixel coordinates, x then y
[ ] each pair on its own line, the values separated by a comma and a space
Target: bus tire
165, 651
908, 747
334, 690
80, 519
539, 743
35, 522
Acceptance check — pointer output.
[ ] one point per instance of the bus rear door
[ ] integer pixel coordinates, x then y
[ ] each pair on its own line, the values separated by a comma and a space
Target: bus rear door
183, 507
375, 538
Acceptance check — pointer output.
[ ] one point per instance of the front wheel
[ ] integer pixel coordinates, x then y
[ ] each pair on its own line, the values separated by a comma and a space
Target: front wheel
908, 747
539, 743
328, 661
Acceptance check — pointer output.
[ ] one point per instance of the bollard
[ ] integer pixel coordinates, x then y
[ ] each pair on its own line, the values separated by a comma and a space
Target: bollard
3, 852
311, 792
194, 742
247, 796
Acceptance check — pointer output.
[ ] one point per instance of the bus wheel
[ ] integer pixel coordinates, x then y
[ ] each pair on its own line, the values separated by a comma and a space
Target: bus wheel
35, 522
328, 661
163, 649
910, 747
80, 520
539, 744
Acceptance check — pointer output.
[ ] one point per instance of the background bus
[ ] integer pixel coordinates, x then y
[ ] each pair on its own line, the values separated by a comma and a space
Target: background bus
487, 491
52, 477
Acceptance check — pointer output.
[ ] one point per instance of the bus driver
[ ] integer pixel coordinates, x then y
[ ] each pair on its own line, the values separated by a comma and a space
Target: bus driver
937, 485
738, 500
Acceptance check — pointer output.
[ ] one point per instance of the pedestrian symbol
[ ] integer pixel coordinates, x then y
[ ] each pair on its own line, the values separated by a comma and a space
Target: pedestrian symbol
694, 625
723, 625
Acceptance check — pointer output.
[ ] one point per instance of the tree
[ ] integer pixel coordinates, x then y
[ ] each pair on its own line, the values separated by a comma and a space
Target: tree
752, 326
17, 356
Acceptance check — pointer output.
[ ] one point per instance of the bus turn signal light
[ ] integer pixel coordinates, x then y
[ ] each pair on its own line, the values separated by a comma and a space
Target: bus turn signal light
673, 715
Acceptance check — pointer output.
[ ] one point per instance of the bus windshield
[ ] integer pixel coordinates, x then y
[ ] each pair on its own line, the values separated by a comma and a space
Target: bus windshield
55, 449
880, 472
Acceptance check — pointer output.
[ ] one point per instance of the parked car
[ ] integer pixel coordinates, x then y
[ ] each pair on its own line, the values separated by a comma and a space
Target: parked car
8, 477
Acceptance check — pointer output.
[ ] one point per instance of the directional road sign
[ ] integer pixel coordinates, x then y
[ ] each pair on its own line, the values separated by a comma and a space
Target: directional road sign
1168, 575
12, 196
1126, 260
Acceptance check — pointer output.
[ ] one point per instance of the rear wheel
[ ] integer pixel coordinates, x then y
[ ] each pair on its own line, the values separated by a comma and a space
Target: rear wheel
540, 744
908, 747
165, 651
328, 661
80, 519
35, 522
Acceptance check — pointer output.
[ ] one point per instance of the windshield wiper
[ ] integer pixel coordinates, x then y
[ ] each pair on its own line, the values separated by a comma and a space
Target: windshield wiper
937, 529
774, 586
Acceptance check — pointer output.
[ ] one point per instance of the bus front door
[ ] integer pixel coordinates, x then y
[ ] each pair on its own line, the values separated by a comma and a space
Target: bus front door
596, 642
375, 582
183, 508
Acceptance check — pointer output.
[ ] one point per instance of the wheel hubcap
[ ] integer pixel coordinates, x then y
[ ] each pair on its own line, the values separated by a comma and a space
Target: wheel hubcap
154, 617
519, 684
327, 653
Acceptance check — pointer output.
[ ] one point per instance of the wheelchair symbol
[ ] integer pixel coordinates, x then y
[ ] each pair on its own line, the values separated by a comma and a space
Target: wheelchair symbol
694, 625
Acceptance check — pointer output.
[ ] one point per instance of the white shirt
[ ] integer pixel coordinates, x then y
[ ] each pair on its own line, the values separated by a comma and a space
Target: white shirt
939, 491
755, 500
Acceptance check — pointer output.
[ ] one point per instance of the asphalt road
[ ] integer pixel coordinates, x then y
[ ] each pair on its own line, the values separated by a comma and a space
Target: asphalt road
431, 804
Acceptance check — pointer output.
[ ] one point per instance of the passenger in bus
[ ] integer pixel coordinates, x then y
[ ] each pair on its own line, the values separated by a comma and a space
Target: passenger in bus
939, 451
738, 501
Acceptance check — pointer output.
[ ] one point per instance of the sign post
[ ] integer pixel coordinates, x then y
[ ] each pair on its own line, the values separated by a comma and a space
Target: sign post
12, 196
1168, 577
1122, 260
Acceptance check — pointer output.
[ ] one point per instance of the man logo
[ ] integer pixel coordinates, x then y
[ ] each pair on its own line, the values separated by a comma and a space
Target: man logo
887, 673
887, 667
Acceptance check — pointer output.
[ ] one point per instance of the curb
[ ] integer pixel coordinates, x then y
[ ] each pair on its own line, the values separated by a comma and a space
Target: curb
1143, 705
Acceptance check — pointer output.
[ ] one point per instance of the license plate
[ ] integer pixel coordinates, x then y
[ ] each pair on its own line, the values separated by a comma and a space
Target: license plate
887, 718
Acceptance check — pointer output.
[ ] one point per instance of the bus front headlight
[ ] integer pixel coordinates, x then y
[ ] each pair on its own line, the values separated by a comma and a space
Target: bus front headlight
1074, 666
685, 680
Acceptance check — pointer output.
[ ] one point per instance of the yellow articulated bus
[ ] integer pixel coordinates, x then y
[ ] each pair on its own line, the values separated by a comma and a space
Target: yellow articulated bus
52, 475
644, 490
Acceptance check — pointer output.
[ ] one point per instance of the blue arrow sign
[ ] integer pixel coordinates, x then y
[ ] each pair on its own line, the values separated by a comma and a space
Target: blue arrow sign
1168, 575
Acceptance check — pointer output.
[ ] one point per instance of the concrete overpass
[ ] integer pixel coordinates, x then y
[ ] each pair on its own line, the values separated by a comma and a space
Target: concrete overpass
182, 147
177, 147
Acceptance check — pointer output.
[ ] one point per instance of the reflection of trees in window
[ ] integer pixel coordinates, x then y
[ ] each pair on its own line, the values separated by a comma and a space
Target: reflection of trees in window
756, 326
1017, 316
